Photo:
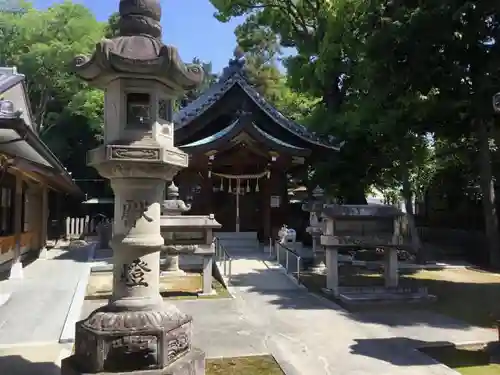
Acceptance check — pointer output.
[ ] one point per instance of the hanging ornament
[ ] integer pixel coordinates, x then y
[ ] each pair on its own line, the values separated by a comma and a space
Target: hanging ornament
221, 188
268, 173
209, 173
248, 186
257, 186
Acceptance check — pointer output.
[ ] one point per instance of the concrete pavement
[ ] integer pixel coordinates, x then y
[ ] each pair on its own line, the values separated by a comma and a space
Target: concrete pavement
310, 335
44, 359
39, 303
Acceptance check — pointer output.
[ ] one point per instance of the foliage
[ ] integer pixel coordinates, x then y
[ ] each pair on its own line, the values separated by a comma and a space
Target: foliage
42, 44
390, 76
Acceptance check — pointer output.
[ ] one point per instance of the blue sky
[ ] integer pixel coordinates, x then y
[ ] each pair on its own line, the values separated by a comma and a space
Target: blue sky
187, 24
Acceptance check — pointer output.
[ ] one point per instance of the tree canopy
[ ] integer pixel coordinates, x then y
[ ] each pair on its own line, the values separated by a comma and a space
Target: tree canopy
407, 85
393, 79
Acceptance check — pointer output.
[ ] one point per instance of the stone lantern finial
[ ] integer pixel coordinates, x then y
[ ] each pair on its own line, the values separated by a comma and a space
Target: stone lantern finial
172, 191
318, 192
140, 17
138, 50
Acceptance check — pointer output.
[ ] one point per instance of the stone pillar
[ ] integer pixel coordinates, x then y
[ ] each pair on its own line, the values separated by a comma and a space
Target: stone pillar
207, 275
332, 266
391, 268
136, 242
16, 270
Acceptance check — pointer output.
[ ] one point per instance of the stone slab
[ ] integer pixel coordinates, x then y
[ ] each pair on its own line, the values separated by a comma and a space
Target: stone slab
193, 363
39, 304
385, 298
75, 308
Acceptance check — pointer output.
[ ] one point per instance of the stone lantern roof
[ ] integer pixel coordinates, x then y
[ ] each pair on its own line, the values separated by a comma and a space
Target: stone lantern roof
138, 50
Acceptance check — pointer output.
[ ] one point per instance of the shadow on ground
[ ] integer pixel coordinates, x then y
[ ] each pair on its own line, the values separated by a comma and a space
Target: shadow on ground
392, 350
27, 260
77, 253
17, 365
460, 305
420, 353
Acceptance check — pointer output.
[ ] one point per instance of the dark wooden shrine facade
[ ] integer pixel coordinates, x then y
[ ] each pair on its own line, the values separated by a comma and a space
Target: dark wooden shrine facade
232, 133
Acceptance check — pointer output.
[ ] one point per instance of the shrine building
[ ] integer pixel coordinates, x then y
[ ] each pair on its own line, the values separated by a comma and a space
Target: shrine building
242, 150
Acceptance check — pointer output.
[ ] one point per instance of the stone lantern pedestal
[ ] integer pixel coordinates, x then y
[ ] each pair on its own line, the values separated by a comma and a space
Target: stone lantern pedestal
137, 332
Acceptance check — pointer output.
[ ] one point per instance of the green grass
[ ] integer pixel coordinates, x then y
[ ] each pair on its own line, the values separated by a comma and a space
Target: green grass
254, 365
221, 292
467, 361
465, 294
182, 287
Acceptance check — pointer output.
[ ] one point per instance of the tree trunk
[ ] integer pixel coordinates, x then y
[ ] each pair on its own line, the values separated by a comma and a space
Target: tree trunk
412, 228
488, 195
354, 195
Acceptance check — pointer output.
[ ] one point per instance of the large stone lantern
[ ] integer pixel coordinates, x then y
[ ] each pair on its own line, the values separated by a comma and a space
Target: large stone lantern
137, 332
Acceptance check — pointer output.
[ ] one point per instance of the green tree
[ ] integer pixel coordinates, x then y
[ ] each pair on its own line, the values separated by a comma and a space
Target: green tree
438, 82
317, 30
42, 44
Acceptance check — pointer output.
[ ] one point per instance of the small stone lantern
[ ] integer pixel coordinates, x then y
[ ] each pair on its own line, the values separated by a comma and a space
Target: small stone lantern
315, 228
171, 207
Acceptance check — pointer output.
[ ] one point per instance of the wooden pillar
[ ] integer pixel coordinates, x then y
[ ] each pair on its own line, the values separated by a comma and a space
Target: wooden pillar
16, 271
266, 210
207, 192
44, 222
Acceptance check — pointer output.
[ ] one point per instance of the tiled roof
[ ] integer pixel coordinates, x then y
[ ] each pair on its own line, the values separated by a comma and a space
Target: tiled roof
9, 79
220, 134
234, 75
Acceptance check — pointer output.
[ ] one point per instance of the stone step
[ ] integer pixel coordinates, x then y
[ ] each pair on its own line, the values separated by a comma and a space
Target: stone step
236, 235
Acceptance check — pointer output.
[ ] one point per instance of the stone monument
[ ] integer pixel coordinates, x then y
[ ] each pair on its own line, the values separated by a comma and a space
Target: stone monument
137, 332
171, 207
370, 226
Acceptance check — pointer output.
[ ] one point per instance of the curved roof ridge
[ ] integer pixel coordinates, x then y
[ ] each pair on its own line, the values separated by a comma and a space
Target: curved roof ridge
234, 74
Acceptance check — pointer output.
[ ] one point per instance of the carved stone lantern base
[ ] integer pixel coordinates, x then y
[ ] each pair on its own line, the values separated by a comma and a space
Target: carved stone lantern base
135, 342
192, 363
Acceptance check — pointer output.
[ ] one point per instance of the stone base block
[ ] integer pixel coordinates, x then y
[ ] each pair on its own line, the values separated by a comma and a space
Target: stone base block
193, 363
381, 295
173, 273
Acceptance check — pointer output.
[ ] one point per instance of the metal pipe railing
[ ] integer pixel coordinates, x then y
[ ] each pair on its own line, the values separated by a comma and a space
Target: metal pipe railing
222, 256
289, 265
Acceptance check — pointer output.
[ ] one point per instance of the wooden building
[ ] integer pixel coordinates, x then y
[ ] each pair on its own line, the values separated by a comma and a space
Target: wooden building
241, 151
28, 172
